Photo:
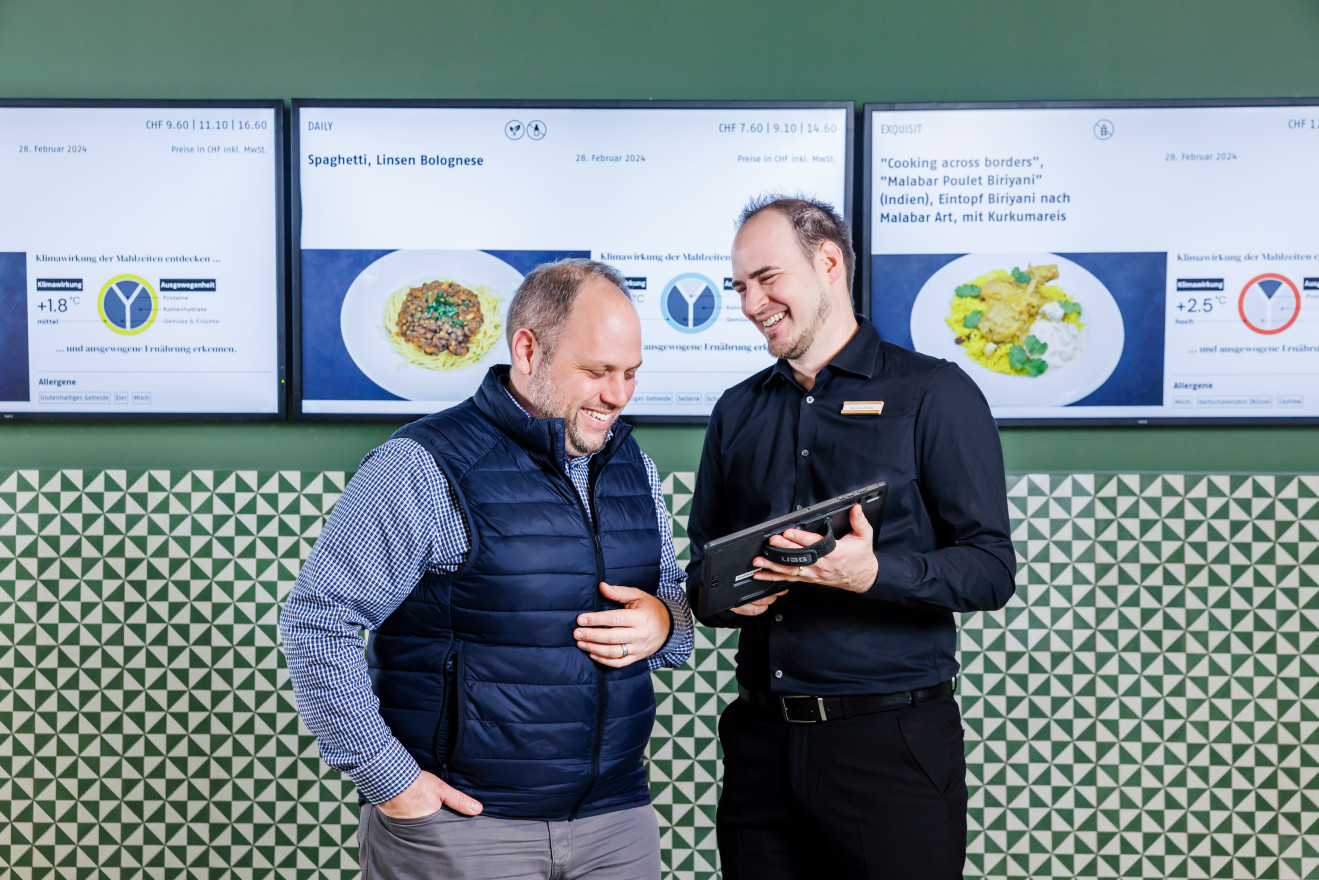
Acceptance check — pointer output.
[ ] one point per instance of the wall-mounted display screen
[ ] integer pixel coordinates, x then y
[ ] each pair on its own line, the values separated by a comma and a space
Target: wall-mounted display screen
439, 210
141, 259
1103, 262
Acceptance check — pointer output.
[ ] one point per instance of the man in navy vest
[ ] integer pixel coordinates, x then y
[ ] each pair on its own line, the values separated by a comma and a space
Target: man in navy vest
514, 561
843, 754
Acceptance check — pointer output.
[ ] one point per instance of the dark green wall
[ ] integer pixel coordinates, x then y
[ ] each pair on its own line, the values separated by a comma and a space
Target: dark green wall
874, 50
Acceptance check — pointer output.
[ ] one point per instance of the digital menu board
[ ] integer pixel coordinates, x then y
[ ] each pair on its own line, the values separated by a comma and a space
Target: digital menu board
1124, 262
446, 206
141, 259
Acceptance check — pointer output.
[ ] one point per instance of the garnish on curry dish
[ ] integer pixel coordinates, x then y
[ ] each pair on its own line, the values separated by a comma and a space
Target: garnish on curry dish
1015, 322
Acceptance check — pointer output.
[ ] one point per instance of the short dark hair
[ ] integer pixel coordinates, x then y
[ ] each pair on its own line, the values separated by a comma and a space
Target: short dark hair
544, 300
812, 221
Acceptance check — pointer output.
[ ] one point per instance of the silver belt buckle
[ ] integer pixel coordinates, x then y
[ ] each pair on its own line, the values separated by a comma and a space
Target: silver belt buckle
822, 713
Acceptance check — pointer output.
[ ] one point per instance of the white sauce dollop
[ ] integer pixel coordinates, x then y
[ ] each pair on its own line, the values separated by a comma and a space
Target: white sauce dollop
1063, 339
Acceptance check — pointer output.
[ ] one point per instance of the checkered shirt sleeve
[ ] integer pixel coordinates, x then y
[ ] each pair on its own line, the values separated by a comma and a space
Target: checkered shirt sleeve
672, 585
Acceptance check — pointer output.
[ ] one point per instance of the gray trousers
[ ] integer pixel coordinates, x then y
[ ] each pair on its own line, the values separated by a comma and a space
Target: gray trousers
622, 845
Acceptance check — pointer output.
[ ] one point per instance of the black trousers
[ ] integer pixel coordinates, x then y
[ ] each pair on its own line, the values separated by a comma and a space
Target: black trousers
877, 796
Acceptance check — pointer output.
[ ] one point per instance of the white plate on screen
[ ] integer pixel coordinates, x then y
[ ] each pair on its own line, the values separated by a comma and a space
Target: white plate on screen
362, 319
1102, 337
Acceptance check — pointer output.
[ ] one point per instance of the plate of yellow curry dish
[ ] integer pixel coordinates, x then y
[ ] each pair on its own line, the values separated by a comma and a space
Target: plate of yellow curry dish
1031, 329
421, 324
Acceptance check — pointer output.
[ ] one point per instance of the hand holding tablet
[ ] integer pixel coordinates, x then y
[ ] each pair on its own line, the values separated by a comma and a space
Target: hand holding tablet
743, 568
847, 563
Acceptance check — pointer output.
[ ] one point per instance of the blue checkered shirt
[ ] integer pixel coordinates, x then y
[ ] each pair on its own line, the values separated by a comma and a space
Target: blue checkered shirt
397, 519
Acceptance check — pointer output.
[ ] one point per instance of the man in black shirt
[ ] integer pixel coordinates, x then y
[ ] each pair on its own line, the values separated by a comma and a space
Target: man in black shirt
844, 752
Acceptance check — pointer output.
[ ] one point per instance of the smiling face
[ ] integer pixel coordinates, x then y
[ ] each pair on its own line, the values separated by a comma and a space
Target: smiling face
592, 374
783, 292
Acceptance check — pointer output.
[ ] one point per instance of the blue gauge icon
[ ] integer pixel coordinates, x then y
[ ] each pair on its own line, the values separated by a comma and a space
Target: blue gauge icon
690, 303
127, 304
1269, 303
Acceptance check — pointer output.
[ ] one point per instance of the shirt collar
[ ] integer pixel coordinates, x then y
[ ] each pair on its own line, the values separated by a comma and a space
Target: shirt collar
571, 459
860, 356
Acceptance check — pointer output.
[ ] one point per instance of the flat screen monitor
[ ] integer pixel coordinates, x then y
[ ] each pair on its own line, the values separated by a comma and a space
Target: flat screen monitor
442, 204
1124, 263
141, 260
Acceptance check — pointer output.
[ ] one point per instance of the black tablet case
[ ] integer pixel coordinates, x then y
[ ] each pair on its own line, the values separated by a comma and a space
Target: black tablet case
726, 569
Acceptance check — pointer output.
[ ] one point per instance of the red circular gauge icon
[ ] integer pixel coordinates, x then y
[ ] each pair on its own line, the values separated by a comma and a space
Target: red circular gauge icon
1269, 303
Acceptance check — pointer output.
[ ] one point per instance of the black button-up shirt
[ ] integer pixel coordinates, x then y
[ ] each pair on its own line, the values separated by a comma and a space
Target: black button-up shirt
943, 546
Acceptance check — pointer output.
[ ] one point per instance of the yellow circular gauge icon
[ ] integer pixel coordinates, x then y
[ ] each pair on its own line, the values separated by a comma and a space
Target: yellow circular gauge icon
127, 304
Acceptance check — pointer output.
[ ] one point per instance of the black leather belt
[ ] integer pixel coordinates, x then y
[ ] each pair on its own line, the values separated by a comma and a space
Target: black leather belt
810, 710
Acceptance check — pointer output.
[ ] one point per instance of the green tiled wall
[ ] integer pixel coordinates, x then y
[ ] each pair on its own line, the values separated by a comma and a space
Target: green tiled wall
1146, 707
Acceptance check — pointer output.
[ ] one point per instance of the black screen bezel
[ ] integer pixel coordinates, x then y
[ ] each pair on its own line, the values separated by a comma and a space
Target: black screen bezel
295, 204
281, 263
867, 202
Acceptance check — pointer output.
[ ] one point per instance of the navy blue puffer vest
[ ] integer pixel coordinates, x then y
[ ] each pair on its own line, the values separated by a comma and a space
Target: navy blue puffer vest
477, 672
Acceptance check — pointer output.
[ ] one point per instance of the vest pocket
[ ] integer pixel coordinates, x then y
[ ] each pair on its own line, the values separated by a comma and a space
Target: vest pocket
448, 728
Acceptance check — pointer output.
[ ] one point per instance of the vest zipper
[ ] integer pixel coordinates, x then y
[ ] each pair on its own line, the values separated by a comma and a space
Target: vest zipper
593, 522
449, 715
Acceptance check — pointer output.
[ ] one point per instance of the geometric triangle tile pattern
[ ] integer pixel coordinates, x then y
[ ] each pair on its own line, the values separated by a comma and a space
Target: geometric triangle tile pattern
1147, 706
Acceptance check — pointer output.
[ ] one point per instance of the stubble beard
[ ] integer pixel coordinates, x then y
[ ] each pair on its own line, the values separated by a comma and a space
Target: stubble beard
792, 349
548, 403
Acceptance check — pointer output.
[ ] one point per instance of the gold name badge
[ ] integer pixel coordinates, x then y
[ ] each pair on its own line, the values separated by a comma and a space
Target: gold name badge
862, 407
